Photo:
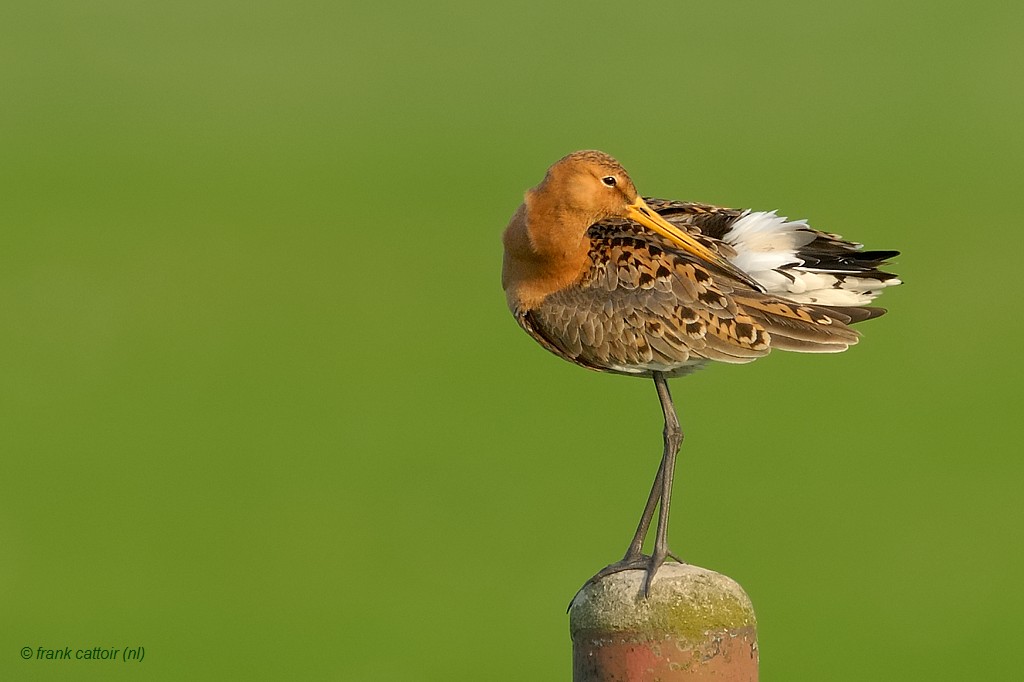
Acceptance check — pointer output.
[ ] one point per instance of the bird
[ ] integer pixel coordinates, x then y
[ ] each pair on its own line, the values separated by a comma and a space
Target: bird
656, 288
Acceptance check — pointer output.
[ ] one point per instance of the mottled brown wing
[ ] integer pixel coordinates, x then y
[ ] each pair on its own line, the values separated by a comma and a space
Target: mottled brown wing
642, 307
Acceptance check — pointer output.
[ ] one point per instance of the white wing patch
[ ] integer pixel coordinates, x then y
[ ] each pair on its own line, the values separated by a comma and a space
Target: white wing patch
766, 247
765, 241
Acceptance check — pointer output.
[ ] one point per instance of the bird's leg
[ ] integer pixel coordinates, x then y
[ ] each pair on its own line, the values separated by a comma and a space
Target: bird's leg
660, 496
673, 434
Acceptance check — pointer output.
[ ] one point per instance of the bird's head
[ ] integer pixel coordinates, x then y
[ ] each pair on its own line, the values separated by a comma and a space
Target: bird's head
594, 186
590, 183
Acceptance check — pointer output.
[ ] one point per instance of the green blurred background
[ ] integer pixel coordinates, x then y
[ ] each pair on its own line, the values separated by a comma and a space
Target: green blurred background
264, 411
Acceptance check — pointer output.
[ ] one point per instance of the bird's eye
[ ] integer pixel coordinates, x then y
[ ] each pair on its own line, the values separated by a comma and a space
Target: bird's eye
609, 180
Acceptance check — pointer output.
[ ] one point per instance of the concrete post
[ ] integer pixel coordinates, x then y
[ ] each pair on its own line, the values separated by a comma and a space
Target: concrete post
695, 625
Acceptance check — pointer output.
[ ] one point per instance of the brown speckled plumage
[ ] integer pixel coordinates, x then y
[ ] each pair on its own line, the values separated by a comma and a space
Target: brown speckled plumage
641, 304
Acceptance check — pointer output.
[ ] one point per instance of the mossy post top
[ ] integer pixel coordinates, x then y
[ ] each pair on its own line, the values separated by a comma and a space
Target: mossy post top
695, 623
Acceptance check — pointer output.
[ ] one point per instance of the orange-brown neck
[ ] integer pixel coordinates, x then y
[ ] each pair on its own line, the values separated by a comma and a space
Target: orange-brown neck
546, 250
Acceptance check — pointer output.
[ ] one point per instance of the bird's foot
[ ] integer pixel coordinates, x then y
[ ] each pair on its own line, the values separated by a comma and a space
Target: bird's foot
633, 562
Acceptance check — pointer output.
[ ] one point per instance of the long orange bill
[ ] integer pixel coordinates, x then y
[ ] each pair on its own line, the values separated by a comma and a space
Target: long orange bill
649, 218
